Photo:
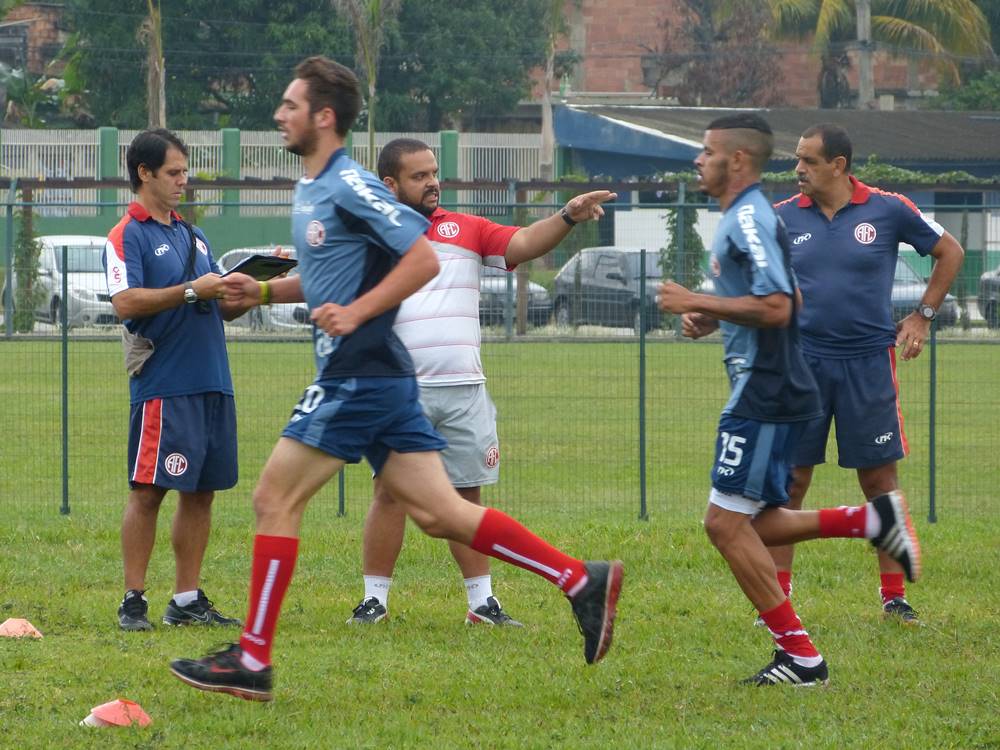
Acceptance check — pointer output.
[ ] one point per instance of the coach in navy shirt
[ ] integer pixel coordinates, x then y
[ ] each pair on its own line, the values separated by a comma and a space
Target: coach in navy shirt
845, 240
166, 288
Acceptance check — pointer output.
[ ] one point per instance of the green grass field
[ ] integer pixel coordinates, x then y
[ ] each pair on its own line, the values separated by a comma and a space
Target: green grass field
568, 425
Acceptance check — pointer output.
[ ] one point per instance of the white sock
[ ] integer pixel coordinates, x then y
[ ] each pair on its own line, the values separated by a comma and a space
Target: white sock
807, 661
184, 598
254, 665
378, 587
478, 589
873, 523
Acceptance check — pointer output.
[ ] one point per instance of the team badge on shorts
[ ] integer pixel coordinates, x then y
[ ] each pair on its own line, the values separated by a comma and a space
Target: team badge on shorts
175, 464
492, 457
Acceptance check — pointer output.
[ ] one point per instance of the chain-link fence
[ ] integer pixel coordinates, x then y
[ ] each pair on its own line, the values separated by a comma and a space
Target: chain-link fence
604, 410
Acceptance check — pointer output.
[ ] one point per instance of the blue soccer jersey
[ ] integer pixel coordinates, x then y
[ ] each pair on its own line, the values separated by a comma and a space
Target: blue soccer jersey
189, 344
349, 232
845, 267
770, 380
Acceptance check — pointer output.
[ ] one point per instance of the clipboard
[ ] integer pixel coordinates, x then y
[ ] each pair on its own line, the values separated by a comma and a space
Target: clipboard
263, 267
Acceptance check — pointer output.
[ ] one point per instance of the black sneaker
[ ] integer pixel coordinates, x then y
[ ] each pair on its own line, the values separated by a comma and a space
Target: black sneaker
897, 536
491, 613
199, 612
594, 607
901, 609
784, 670
134, 610
368, 612
222, 672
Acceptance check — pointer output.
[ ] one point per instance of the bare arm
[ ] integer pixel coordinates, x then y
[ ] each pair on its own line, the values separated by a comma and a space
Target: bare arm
417, 266
140, 302
913, 330
770, 311
536, 240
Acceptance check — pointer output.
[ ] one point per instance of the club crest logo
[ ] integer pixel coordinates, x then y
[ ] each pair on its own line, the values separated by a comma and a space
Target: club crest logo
315, 233
448, 229
492, 457
175, 464
202, 247
864, 233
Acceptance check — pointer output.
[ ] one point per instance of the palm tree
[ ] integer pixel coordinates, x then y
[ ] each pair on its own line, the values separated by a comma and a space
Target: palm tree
945, 29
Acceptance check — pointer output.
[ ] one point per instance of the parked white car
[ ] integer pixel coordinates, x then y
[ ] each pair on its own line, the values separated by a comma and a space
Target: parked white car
291, 315
87, 300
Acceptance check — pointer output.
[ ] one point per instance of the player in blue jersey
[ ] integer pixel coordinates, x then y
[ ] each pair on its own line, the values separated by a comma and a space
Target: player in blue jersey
773, 395
845, 240
166, 288
361, 252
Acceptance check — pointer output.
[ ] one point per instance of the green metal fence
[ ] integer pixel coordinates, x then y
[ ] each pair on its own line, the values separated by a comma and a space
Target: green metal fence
609, 418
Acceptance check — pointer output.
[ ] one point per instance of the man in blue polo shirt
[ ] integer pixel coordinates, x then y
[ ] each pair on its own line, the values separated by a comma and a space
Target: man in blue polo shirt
166, 288
773, 396
845, 240
361, 252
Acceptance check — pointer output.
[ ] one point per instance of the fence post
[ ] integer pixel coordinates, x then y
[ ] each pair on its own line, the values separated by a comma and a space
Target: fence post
107, 169
932, 427
64, 327
449, 165
8, 297
231, 170
643, 511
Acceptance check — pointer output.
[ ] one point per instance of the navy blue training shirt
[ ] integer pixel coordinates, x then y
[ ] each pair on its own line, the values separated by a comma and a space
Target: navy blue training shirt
349, 232
770, 380
845, 267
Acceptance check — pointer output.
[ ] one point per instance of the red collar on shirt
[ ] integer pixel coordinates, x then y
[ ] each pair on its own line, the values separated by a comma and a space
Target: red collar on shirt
138, 212
858, 195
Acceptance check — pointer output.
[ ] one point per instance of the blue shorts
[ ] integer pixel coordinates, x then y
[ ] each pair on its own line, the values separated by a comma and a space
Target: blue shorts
861, 395
753, 459
354, 417
184, 443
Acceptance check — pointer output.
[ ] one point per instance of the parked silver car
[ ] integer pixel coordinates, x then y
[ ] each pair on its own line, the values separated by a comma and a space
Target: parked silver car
282, 316
87, 300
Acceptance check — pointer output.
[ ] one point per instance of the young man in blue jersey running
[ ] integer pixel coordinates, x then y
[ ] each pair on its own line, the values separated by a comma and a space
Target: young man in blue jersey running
845, 240
165, 287
360, 253
773, 395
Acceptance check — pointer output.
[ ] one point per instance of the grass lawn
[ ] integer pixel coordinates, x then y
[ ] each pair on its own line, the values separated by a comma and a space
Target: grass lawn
569, 425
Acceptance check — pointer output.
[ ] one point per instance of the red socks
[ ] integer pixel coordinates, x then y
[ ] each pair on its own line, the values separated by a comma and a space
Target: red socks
845, 521
786, 629
502, 537
785, 581
892, 587
273, 564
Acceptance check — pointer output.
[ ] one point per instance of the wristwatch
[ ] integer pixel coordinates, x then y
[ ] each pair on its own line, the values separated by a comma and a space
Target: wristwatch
190, 295
927, 312
570, 221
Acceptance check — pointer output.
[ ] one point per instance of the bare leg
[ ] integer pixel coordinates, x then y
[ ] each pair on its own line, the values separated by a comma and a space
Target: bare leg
784, 554
293, 474
189, 535
385, 527
735, 537
875, 481
472, 564
139, 532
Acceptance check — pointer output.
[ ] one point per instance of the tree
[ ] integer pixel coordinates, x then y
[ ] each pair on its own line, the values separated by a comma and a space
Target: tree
369, 21
943, 29
982, 94
716, 56
151, 33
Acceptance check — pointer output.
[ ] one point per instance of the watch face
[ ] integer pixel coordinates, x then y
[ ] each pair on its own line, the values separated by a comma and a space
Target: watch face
928, 312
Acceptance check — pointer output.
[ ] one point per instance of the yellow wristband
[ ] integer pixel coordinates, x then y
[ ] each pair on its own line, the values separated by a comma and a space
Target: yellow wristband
265, 293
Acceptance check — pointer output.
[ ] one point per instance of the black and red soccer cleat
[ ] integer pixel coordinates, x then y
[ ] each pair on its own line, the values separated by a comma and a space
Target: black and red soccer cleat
594, 607
223, 672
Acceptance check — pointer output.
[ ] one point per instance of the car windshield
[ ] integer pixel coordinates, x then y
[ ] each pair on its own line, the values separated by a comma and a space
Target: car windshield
653, 270
905, 273
81, 258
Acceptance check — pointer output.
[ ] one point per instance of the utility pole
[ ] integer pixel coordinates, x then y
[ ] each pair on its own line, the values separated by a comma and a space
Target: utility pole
156, 95
866, 81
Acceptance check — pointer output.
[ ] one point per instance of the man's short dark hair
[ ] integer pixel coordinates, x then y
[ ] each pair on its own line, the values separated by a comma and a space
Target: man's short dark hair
836, 142
393, 152
332, 85
752, 134
149, 148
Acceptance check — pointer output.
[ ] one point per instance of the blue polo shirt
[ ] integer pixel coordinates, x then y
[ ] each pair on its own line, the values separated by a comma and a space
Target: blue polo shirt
349, 232
749, 256
845, 267
189, 347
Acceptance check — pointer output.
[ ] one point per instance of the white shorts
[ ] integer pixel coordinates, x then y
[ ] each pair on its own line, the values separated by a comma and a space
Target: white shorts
736, 503
465, 416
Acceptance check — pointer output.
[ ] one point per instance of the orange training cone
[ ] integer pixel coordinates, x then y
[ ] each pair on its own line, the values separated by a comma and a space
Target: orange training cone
18, 628
119, 713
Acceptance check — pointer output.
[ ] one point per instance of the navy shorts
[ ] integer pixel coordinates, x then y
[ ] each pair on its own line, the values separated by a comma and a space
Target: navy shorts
861, 397
354, 417
753, 459
184, 443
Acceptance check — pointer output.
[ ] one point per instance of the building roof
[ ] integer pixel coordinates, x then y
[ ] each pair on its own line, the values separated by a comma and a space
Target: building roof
932, 139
